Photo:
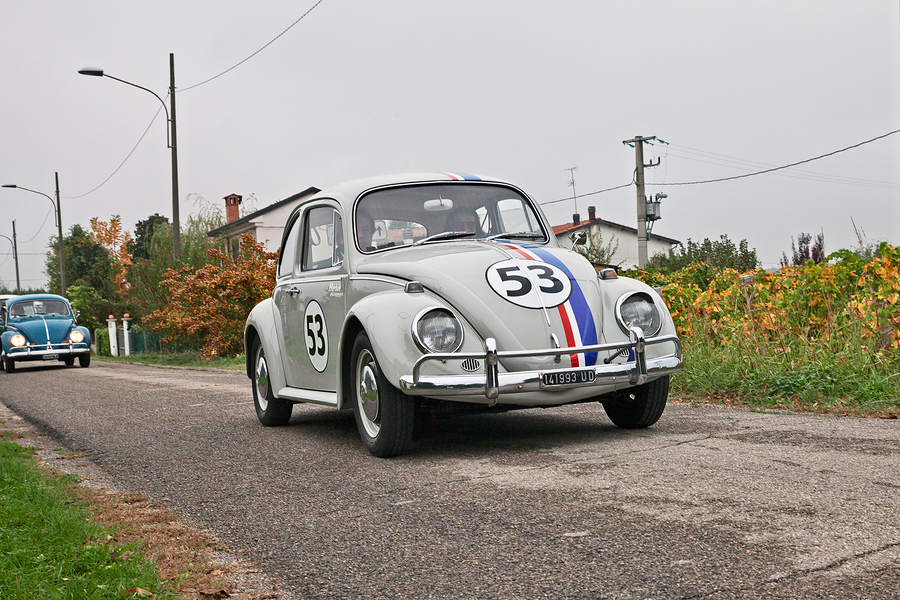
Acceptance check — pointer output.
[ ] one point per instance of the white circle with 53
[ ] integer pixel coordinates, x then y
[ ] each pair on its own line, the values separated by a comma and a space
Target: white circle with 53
316, 335
529, 283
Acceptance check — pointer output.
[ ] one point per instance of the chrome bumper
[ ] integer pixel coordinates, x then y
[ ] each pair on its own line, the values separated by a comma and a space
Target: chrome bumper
39, 352
491, 383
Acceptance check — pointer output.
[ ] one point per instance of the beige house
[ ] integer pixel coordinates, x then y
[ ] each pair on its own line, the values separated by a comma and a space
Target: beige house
265, 225
627, 254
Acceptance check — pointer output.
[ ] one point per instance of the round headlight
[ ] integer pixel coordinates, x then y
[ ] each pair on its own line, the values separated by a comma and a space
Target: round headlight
76, 337
437, 330
17, 340
638, 310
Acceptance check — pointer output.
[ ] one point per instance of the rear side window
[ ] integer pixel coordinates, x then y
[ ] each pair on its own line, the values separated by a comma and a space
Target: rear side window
289, 250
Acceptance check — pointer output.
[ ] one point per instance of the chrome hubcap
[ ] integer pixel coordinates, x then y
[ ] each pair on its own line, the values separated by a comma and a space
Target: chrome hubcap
262, 379
367, 393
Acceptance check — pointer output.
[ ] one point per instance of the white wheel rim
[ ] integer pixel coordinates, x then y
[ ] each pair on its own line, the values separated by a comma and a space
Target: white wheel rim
367, 393
262, 380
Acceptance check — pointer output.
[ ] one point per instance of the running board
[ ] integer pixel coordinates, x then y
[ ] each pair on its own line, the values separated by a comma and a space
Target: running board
314, 396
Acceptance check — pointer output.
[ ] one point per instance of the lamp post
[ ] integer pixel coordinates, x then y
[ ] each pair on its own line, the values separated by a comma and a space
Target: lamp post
62, 262
170, 117
15, 257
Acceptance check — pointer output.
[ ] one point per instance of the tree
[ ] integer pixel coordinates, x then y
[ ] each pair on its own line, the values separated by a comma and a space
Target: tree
803, 251
598, 254
116, 241
719, 254
139, 247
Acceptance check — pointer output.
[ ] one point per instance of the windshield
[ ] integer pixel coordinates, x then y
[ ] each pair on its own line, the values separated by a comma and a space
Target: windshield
33, 308
414, 214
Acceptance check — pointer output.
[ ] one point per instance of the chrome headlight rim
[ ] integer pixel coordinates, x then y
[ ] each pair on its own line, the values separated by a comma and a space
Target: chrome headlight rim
18, 340
76, 337
420, 343
648, 332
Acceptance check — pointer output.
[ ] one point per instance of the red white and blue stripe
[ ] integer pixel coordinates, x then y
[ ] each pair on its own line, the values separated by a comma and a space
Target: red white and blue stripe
575, 314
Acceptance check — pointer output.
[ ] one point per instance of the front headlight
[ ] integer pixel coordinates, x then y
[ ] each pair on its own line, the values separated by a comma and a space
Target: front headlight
638, 310
17, 340
76, 337
437, 330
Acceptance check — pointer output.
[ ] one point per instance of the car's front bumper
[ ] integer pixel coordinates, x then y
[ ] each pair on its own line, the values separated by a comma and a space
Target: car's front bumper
491, 382
42, 352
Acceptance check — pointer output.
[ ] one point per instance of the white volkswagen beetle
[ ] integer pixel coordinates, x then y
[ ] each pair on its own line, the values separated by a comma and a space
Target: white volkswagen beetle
397, 294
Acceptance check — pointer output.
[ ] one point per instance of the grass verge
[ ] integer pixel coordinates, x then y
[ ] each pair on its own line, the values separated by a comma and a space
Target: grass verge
180, 359
49, 548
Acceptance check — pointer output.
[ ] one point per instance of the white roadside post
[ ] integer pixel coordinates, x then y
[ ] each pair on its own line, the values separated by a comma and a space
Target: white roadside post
113, 338
126, 328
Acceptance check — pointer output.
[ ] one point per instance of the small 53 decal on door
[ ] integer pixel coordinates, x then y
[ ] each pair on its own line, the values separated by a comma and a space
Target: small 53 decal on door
316, 335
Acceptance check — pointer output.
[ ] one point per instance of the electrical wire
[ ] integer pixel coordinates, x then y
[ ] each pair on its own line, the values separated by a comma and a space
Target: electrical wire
773, 169
255, 53
618, 187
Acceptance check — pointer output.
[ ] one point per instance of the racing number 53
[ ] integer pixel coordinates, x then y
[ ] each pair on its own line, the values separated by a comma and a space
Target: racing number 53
316, 335
511, 282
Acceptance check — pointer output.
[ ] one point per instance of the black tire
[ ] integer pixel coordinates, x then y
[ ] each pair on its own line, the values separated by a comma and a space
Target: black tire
69, 360
84, 360
640, 406
9, 365
385, 416
270, 411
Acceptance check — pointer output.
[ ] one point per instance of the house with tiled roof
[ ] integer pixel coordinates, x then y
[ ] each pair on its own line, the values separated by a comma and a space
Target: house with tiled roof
265, 225
627, 254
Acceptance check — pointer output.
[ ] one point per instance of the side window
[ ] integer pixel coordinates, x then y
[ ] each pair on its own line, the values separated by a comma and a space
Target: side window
338, 257
289, 250
318, 244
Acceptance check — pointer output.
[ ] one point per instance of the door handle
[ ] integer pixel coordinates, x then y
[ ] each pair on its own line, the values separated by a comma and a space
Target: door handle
293, 291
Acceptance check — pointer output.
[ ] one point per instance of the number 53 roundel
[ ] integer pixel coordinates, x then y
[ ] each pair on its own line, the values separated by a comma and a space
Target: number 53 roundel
521, 282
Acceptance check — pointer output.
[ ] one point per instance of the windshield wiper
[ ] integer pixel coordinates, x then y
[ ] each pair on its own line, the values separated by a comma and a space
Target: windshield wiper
522, 235
445, 235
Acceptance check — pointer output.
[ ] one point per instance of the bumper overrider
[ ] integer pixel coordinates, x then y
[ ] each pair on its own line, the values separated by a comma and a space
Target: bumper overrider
47, 351
491, 383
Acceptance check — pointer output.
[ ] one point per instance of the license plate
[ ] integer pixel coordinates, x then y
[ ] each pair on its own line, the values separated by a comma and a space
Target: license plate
50, 356
568, 377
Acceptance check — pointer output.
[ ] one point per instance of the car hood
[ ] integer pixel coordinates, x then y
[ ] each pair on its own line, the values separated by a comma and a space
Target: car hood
36, 329
493, 285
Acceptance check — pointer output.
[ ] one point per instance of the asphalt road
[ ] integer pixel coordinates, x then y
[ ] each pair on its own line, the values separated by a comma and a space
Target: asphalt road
710, 503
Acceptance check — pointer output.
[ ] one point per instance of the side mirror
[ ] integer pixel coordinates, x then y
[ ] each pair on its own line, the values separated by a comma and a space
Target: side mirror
579, 238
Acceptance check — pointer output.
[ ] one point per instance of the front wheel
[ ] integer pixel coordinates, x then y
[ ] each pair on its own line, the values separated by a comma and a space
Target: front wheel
270, 411
9, 364
385, 416
84, 360
640, 406
69, 360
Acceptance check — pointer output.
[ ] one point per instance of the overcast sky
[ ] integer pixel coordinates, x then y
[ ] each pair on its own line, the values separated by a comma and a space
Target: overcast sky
517, 89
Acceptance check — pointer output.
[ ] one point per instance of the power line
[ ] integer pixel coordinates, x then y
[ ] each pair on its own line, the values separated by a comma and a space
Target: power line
618, 187
255, 53
773, 169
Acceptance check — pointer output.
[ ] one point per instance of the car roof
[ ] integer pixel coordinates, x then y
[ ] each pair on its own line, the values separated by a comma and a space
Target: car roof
37, 297
348, 191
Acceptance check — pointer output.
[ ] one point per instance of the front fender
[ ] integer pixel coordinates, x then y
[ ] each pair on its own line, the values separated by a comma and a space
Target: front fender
387, 318
261, 324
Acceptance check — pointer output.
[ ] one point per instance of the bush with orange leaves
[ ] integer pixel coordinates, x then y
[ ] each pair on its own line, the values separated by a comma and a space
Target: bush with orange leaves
208, 306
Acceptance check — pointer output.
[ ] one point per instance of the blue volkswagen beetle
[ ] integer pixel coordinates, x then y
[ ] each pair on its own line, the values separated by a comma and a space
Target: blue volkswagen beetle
42, 327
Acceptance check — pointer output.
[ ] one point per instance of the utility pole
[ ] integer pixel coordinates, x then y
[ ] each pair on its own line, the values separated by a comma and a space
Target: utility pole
62, 263
638, 143
16, 257
176, 219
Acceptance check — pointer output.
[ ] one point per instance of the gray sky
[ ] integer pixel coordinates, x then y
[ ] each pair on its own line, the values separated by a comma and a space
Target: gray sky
520, 90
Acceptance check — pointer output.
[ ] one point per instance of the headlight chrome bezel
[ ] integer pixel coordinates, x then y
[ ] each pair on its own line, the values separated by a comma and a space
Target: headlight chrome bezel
656, 313
421, 320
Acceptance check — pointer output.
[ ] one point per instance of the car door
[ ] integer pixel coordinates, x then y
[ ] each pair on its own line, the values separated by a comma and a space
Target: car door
311, 302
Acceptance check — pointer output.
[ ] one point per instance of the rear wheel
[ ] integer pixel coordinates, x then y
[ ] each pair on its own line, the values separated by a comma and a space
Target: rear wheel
270, 411
385, 417
84, 360
640, 406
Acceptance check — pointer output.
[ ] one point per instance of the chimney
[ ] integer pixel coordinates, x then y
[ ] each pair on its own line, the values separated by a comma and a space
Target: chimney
232, 208
592, 213
576, 219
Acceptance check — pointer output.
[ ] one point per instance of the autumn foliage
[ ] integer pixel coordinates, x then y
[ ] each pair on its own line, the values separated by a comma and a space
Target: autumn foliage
209, 304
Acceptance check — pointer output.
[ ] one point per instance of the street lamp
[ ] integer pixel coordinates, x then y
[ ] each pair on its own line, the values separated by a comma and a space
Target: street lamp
62, 262
170, 116
15, 256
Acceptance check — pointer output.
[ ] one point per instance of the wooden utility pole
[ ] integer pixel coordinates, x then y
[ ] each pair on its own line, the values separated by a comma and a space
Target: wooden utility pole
638, 143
